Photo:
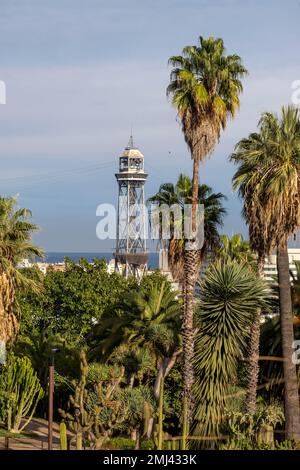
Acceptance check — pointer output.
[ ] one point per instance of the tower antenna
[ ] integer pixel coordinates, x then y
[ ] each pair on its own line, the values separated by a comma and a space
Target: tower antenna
130, 142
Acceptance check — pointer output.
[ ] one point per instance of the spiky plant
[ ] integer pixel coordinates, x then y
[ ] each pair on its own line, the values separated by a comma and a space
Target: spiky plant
230, 295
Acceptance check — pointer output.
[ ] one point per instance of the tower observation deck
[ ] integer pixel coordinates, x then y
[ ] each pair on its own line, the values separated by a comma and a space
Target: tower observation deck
131, 257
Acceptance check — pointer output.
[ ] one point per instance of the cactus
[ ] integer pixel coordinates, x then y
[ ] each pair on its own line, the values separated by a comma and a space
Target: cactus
86, 407
79, 441
63, 436
79, 420
21, 390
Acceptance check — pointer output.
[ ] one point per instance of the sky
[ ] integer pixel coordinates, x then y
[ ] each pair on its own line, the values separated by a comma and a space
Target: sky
80, 73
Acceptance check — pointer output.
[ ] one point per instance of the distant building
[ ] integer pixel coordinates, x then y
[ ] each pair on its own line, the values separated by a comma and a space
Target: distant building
43, 267
163, 266
24, 263
56, 266
270, 267
111, 266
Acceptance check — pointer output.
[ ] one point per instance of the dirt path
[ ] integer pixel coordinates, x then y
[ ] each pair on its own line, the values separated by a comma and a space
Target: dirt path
38, 428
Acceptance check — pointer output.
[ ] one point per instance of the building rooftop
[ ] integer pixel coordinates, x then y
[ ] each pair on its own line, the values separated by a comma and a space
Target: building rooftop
132, 152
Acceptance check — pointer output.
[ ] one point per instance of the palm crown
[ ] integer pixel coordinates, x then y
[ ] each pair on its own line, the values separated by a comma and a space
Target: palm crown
15, 245
205, 86
268, 178
181, 193
143, 318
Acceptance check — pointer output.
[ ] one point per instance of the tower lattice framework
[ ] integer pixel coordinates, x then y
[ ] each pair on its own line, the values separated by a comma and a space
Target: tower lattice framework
131, 257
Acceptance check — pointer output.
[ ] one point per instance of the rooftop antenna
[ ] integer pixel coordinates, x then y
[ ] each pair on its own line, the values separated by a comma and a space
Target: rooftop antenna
130, 143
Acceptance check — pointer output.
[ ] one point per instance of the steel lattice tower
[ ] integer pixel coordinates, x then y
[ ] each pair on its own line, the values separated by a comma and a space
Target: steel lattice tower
131, 257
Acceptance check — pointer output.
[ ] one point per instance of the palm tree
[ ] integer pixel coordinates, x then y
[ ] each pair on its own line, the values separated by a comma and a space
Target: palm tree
181, 193
15, 245
147, 319
269, 176
230, 295
235, 248
204, 86
247, 180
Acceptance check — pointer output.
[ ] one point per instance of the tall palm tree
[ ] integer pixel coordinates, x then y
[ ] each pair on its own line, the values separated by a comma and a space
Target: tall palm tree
247, 181
205, 87
15, 244
181, 193
269, 176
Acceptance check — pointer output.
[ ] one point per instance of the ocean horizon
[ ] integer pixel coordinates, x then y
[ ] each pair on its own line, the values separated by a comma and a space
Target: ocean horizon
58, 257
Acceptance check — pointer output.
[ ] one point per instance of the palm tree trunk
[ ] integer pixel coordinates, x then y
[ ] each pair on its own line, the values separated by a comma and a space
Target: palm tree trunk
253, 365
191, 271
292, 408
9, 325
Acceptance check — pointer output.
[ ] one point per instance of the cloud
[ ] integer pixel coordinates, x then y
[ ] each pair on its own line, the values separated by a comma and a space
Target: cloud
78, 76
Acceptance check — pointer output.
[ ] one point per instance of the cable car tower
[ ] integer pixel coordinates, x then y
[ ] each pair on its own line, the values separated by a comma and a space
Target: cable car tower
131, 257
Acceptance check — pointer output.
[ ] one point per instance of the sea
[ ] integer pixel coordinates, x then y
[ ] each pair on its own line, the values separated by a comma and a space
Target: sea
58, 257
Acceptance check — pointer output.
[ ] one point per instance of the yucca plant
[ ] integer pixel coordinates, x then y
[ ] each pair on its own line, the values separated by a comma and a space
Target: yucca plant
230, 296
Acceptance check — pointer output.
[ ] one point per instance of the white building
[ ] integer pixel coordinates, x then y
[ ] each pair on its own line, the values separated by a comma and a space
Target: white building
270, 268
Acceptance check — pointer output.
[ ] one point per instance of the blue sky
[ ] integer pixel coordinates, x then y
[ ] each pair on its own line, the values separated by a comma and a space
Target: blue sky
79, 73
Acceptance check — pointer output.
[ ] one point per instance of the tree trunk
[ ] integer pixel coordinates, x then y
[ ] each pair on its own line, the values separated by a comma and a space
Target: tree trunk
195, 190
163, 372
191, 271
9, 325
292, 408
253, 365
137, 440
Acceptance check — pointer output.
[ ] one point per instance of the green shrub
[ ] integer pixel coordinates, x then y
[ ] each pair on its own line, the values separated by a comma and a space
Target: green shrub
122, 443
287, 445
147, 444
